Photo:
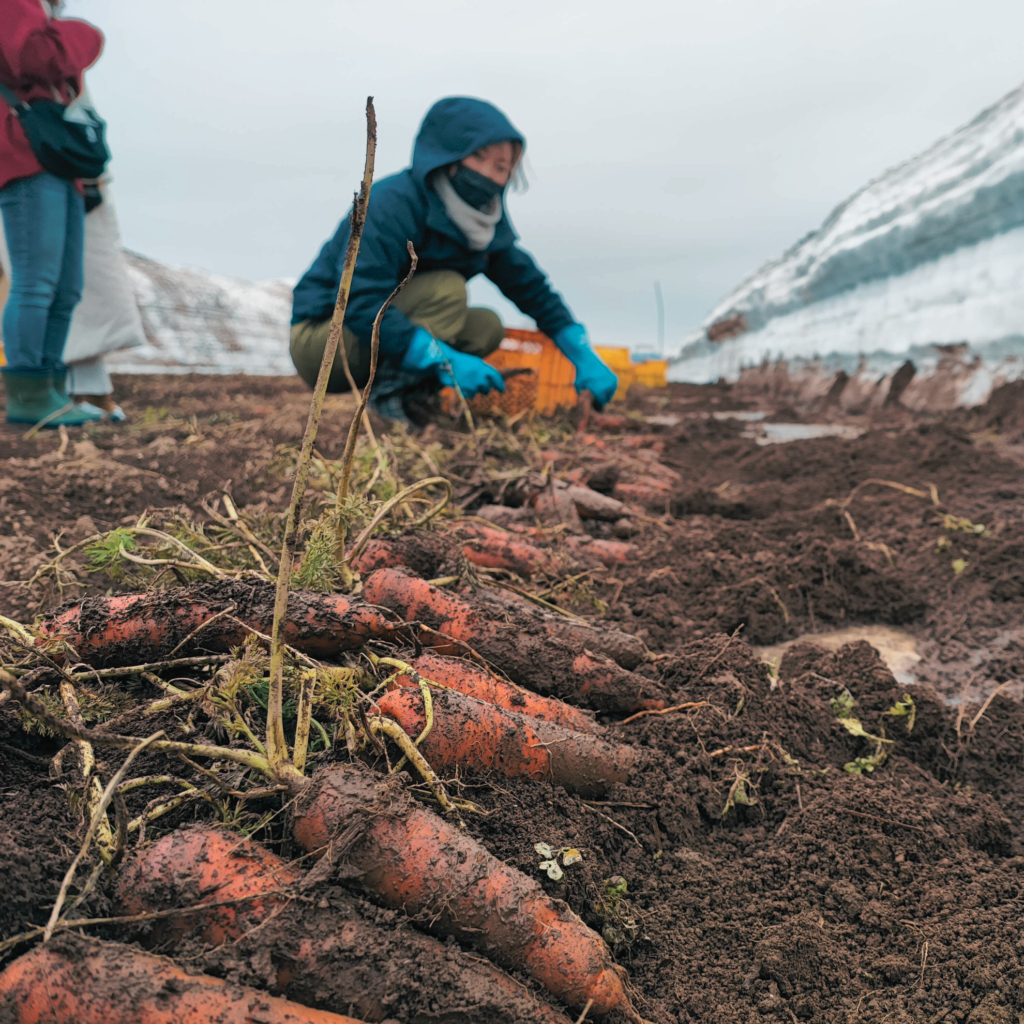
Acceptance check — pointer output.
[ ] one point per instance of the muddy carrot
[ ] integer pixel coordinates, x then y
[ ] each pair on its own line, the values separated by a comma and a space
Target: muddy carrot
623, 648
72, 980
529, 656
467, 732
412, 859
326, 956
464, 676
610, 553
204, 865
421, 552
134, 628
498, 550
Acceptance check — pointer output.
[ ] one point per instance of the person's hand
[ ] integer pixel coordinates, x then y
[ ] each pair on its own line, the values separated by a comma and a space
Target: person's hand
474, 376
471, 373
591, 373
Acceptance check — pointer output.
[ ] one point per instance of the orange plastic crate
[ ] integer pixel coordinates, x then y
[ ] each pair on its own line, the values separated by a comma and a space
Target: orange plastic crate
549, 385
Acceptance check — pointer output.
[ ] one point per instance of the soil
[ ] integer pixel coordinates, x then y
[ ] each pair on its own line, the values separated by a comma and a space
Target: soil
778, 863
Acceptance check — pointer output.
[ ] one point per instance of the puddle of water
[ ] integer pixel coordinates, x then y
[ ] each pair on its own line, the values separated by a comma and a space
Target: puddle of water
743, 417
780, 433
897, 648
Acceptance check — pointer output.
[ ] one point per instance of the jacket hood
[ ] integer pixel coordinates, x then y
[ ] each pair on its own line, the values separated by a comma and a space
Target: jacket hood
454, 128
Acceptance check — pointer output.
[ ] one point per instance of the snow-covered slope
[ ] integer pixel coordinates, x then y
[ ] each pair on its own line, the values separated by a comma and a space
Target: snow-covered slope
207, 323
930, 253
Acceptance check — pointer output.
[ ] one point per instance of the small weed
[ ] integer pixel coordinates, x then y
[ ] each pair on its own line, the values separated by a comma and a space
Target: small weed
842, 708
105, 555
905, 708
619, 927
958, 524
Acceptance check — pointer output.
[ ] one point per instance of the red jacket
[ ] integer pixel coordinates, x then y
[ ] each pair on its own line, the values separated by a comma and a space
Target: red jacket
37, 55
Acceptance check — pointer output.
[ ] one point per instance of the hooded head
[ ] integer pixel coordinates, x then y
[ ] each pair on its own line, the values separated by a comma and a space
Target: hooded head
456, 127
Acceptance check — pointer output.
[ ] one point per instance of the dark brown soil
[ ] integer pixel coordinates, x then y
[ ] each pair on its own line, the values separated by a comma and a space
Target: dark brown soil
765, 881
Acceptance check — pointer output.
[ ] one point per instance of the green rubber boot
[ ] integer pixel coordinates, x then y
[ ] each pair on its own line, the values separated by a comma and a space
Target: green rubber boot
31, 399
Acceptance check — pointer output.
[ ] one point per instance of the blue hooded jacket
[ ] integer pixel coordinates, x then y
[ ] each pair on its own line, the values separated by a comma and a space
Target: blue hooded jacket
403, 206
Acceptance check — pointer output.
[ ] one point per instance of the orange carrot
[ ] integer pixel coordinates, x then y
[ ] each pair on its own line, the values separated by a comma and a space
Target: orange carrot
531, 658
623, 648
135, 628
409, 858
464, 676
496, 549
72, 980
477, 735
325, 956
204, 865
421, 551
606, 552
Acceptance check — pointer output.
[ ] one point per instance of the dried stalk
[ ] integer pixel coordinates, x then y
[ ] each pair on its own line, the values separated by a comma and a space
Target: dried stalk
353, 431
277, 745
100, 813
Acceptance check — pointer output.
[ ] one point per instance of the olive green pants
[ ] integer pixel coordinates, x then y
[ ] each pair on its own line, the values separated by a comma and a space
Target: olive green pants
435, 300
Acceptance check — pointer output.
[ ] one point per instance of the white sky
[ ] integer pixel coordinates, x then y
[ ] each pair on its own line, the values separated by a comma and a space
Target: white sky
681, 141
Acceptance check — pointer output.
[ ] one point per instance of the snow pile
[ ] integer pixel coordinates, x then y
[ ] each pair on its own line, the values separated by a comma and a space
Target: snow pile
931, 253
207, 323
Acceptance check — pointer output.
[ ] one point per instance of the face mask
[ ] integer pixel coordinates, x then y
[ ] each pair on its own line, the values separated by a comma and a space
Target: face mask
476, 189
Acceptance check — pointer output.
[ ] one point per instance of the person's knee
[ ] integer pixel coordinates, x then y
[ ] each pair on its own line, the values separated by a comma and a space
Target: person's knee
483, 332
38, 290
449, 289
436, 300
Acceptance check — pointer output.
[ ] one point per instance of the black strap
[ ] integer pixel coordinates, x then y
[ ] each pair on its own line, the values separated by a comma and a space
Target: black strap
13, 100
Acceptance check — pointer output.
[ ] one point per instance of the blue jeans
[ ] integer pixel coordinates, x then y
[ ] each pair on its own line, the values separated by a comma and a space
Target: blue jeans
44, 224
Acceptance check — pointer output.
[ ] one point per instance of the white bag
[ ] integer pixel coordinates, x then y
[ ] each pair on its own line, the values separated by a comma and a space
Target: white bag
107, 319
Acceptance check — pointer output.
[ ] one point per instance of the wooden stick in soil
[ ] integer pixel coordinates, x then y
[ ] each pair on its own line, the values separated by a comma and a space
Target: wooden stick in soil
277, 746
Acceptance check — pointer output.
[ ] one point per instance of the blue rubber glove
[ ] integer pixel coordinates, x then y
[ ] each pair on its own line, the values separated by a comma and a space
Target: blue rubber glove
473, 375
591, 373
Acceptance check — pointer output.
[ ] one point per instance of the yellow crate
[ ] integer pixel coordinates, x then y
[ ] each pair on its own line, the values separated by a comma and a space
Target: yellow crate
651, 373
620, 362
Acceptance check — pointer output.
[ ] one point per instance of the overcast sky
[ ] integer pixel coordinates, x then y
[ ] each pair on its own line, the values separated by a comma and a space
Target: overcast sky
677, 141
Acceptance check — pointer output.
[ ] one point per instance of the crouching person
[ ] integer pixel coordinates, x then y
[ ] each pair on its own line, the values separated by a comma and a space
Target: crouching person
450, 205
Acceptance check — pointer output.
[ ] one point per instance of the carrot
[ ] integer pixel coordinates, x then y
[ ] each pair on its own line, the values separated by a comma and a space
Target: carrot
642, 493
423, 552
467, 678
496, 549
529, 656
623, 648
468, 732
606, 552
134, 628
331, 956
203, 865
407, 857
72, 980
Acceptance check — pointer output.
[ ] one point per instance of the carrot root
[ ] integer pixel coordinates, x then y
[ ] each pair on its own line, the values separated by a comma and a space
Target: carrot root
135, 628
530, 657
84, 981
466, 732
410, 858
326, 956
464, 676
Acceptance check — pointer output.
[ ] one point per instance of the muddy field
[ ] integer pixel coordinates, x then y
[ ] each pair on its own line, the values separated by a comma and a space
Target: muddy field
767, 860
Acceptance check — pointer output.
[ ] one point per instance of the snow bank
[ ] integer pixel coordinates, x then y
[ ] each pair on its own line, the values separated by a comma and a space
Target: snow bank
928, 255
207, 323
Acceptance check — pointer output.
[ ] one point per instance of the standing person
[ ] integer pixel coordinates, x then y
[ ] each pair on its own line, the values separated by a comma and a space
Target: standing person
450, 205
41, 57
